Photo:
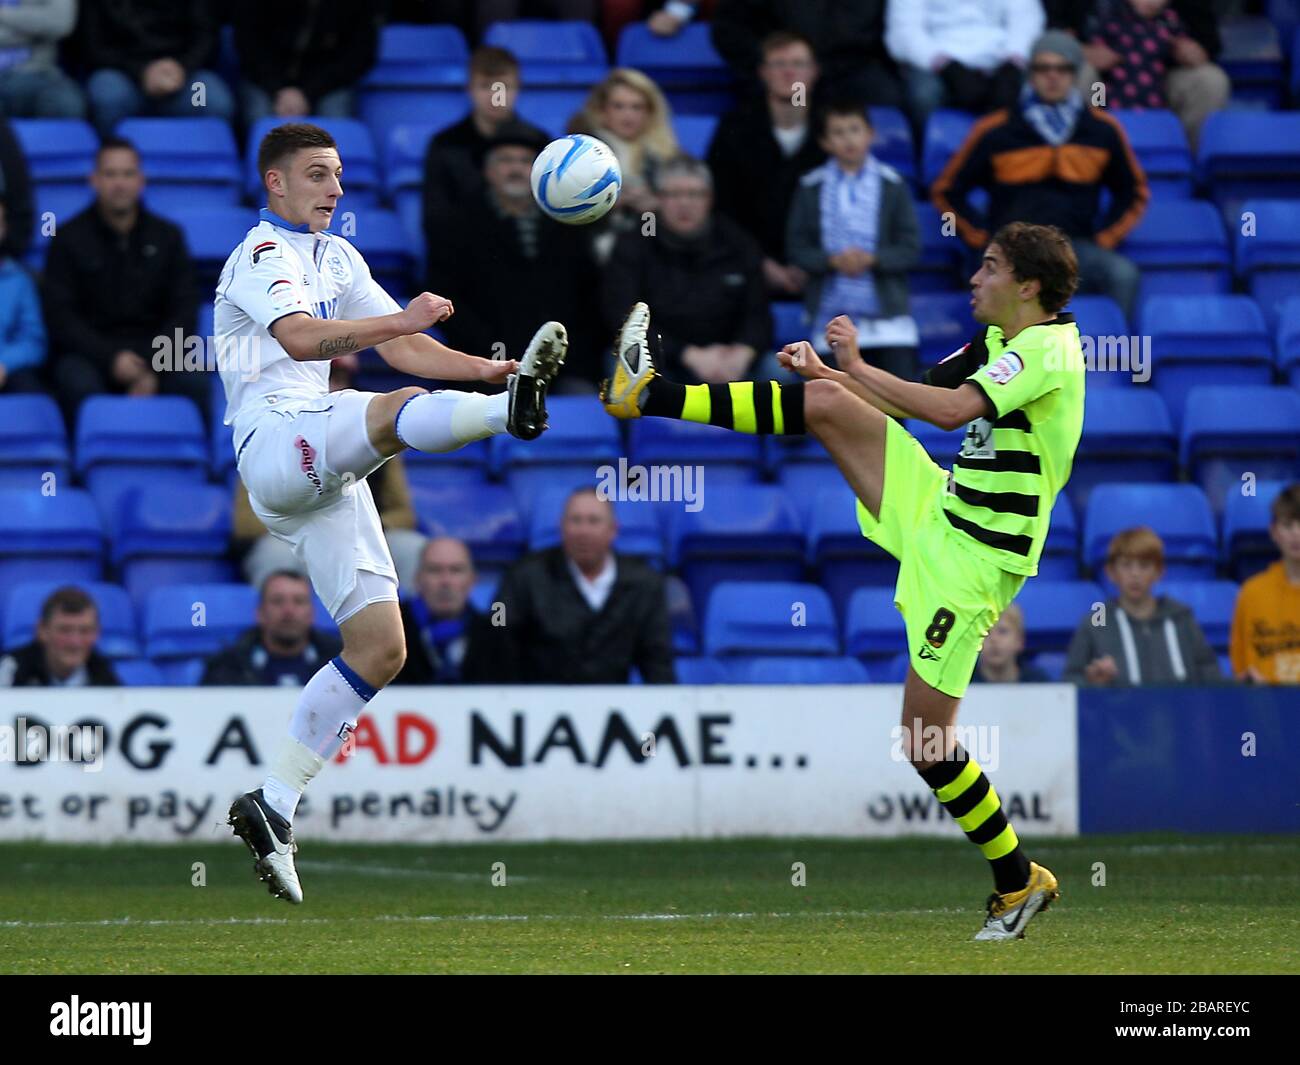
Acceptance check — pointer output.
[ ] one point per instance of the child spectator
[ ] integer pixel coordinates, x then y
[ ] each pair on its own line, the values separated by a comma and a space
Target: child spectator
1139, 638
853, 229
999, 661
1265, 645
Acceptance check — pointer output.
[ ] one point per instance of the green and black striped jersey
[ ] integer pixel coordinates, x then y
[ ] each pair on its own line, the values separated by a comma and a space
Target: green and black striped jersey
1012, 463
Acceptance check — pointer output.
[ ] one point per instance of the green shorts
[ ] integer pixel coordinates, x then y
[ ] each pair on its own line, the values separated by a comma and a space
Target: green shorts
949, 597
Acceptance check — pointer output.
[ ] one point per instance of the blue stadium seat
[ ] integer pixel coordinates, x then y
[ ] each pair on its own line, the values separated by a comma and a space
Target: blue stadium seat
485, 516
639, 533
1127, 436
552, 53
551, 109
1251, 56
720, 456
893, 670
581, 440
1212, 604
418, 69
874, 629
379, 236
182, 672
804, 480
944, 133
751, 536
1160, 143
361, 182
686, 60
842, 557
1295, 64
1052, 663
1232, 431
1098, 316
49, 537
788, 322
61, 202
57, 149
1060, 558
760, 618
691, 670
944, 322
1179, 513
1288, 341
1053, 610
117, 637
794, 669
941, 445
695, 133
1247, 545
192, 620
682, 617
1181, 248
942, 256
1250, 153
32, 441
1269, 259
187, 162
139, 673
177, 533
892, 141
1211, 340
211, 234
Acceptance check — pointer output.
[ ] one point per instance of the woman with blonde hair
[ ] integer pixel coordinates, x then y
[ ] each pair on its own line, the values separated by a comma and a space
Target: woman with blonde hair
629, 113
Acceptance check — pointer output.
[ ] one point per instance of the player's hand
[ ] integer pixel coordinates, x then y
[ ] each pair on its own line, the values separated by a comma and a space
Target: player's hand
802, 359
1101, 670
495, 371
426, 311
842, 336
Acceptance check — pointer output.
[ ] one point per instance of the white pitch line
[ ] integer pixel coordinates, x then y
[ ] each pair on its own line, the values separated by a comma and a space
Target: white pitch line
314, 866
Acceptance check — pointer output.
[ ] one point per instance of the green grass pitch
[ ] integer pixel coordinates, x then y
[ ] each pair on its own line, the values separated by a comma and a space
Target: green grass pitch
1170, 904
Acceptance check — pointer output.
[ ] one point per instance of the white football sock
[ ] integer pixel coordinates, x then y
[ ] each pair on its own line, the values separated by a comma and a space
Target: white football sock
447, 420
326, 712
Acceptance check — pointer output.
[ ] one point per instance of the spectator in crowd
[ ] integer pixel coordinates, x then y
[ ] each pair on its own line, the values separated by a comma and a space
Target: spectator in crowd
303, 59
487, 12
702, 276
509, 268
580, 613
283, 647
116, 278
848, 40
1046, 161
448, 641
968, 54
663, 18
63, 655
669, 19
999, 661
148, 56
853, 229
453, 163
629, 113
16, 192
1139, 638
763, 147
1265, 645
263, 554
31, 83
22, 330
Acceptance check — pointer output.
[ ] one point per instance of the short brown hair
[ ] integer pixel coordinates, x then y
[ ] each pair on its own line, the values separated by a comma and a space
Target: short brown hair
67, 600
783, 39
1286, 506
1043, 254
1141, 543
492, 62
283, 141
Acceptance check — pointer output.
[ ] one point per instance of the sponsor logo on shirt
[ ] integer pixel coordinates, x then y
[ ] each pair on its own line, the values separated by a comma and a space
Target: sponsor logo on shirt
308, 463
282, 294
1005, 368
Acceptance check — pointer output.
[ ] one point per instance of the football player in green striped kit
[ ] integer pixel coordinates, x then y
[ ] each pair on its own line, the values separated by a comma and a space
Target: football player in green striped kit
965, 539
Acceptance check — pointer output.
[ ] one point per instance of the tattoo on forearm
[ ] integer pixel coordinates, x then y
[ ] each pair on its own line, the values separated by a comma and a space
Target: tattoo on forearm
337, 346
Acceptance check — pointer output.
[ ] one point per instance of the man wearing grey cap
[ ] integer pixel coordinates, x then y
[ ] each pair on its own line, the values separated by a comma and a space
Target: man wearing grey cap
1045, 162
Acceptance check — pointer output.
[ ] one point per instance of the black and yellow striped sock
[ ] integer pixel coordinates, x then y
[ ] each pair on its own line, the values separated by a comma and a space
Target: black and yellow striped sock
970, 800
745, 406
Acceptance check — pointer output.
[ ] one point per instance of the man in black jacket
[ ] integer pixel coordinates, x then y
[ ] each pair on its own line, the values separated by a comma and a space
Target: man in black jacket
303, 58
581, 614
150, 55
117, 279
447, 640
703, 276
761, 150
16, 192
509, 268
283, 648
453, 164
63, 654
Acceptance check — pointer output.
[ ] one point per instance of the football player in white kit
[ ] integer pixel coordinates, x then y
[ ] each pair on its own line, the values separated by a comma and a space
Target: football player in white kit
299, 296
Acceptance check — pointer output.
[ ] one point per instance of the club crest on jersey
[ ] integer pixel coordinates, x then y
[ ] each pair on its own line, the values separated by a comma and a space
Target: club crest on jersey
268, 249
335, 265
282, 294
1005, 368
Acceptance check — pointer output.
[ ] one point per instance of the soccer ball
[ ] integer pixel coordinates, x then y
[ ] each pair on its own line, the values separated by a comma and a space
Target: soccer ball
576, 179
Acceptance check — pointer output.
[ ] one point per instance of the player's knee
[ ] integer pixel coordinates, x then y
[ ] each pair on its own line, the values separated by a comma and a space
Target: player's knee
390, 656
822, 401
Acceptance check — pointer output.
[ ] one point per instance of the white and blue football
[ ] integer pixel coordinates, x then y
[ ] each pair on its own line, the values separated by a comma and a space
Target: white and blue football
576, 179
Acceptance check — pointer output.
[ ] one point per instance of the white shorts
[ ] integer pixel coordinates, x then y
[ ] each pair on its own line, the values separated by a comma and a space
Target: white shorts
325, 513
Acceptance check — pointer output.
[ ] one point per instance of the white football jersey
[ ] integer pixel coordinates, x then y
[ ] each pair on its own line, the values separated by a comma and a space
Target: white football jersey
283, 269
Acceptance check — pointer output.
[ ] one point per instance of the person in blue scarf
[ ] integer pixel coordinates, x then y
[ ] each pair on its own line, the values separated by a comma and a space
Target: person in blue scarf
853, 228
